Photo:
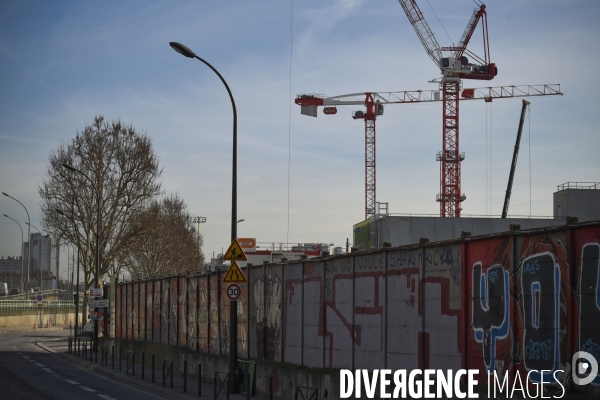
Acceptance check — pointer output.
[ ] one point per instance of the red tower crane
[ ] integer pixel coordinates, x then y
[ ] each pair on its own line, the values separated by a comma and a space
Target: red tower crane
454, 66
374, 102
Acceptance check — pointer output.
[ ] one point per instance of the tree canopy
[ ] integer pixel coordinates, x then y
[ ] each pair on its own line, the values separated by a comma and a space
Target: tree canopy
121, 166
167, 243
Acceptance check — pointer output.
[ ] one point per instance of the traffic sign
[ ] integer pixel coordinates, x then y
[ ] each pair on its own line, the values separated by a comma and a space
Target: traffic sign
26, 286
102, 303
234, 274
96, 316
39, 297
234, 291
235, 252
95, 292
247, 243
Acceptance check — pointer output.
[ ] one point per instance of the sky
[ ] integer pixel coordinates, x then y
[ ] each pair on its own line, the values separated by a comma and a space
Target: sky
300, 179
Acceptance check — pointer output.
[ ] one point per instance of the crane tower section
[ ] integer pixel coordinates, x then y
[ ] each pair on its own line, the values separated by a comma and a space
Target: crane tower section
454, 65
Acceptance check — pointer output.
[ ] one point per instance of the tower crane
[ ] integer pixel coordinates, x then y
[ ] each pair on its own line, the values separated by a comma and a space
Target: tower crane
454, 66
374, 103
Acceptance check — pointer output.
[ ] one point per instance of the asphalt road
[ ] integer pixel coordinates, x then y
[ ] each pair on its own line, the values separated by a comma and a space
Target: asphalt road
30, 372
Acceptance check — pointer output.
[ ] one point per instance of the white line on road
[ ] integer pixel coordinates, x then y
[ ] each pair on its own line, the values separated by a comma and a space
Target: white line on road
89, 389
72, 382
106, 397
48, 370
40, 364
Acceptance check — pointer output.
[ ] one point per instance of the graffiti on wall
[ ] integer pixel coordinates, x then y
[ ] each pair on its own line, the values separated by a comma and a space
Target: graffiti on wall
267, 296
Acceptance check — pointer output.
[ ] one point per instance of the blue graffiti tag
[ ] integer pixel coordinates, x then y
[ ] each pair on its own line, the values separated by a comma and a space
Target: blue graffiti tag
539, 350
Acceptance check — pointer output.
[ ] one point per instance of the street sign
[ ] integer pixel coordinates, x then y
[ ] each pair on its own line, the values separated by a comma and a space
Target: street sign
234, 274
102, 303
26, 286
235, 252
247, 243
234, 291
96, 316
39, 297
95, 292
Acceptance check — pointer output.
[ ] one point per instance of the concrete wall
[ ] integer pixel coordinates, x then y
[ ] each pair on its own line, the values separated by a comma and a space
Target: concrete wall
581, 203
408, 230
511, 302
25, 319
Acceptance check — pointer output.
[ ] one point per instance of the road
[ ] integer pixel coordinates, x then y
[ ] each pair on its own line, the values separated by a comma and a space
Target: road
27, 371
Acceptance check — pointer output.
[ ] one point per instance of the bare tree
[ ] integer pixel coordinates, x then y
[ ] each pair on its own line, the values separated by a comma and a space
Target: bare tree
124, 169
167, 243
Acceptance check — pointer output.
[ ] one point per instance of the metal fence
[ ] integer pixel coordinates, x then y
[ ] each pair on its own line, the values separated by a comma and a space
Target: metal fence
28, 305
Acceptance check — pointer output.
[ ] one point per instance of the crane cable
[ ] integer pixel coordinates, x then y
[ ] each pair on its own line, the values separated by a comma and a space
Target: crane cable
287, 239
438, 18
529, 121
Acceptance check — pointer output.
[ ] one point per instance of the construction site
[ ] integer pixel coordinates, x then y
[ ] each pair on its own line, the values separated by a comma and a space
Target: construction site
505, 294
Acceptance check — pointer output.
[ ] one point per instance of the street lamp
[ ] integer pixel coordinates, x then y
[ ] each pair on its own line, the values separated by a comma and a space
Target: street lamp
21, 247
178, 47
28, 238
73, 169
41, 264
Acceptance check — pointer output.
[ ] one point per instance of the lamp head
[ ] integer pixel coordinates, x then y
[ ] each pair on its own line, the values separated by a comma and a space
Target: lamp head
5, 194
181, 49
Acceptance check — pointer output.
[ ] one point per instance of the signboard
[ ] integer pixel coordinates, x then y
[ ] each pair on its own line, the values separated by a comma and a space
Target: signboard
234, 274
234, 291
96, 316
26, 286
102, 303
247, 243
95, 292
39, 297
235, 252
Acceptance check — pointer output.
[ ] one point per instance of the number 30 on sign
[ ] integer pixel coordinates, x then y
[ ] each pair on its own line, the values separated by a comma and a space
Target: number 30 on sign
234, 291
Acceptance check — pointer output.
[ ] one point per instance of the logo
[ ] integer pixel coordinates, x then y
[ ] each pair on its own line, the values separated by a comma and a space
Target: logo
585, 368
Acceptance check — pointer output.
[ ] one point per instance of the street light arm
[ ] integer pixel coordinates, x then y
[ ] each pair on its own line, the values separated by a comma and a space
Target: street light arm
28, 237
234, 162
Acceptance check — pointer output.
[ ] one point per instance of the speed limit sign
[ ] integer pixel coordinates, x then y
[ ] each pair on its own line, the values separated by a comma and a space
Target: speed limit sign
234, 291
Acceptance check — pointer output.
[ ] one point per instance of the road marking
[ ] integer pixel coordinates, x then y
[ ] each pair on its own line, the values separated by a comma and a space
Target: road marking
72, 382
57, 376
48, 370
106, 397
25, 356
40, 364
89, 389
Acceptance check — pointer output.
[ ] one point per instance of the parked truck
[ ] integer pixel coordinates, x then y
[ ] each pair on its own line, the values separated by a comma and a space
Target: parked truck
3, 289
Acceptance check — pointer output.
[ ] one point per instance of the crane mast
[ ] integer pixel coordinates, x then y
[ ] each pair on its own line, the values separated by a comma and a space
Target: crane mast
453, 67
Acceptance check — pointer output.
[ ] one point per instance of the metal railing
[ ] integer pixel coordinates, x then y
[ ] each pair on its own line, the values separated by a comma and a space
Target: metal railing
32, 305
578, 185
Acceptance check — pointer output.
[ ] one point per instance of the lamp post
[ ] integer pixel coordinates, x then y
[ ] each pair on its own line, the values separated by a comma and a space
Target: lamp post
178, 47
199, 220
28, 238
73, 169
21, 247
41, 264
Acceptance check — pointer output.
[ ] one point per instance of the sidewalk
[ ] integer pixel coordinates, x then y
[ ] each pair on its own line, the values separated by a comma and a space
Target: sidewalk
60, 348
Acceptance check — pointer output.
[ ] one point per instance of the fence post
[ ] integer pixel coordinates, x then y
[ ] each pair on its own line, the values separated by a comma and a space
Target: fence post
199, 380
184, 376
248, 386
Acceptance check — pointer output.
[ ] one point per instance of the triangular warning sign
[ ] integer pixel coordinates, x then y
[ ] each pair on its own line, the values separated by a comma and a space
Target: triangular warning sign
235, 252
234, 274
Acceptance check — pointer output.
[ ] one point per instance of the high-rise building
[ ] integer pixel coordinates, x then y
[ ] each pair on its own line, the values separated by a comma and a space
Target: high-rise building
44, 254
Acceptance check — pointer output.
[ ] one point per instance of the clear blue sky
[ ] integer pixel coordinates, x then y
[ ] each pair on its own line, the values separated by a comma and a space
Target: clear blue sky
63, 62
